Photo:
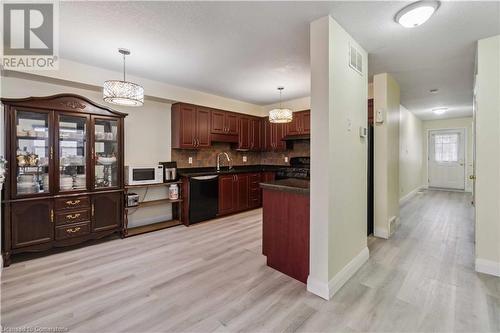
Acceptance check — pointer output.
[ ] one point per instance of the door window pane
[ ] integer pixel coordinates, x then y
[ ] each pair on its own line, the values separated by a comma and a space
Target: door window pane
446, 147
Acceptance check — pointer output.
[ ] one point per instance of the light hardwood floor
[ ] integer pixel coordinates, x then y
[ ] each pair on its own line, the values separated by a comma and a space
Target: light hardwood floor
212, 277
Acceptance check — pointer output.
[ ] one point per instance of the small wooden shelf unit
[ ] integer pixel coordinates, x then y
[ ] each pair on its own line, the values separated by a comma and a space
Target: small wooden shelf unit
176, 211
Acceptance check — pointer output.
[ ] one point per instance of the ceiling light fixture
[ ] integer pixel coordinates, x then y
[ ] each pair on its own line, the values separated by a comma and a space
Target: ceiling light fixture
417, 13
280, 115
439, 111
123, 92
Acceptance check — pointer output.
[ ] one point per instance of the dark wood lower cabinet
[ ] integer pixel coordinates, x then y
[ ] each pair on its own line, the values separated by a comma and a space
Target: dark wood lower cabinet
32, 222
107, 211
239, 192
228, 198
38, 225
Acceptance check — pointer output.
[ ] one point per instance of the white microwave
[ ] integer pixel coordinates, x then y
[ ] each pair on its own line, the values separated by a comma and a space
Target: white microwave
143, 175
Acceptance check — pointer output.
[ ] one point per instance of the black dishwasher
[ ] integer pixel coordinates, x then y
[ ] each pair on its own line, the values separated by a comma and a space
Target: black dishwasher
203, 198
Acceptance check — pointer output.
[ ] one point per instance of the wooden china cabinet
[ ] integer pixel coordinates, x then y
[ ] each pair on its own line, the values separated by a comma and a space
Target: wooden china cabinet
64, 181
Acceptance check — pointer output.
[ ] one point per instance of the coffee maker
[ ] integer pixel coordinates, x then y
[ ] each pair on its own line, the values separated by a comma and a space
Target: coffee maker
169, 171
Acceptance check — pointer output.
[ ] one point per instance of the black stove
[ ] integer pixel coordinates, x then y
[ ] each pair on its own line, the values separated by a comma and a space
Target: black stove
299, 168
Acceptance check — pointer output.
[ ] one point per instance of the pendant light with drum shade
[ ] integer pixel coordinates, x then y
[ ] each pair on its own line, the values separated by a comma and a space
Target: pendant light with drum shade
123, 92
280, 115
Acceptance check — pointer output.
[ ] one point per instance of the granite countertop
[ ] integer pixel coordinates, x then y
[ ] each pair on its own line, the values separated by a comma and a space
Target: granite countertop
194, 172
299, 186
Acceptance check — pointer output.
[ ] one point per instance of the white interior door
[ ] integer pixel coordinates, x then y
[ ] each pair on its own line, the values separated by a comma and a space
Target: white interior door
446, 158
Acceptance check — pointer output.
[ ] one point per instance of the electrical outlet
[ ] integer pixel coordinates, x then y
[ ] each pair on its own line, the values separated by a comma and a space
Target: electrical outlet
286, 159
244, 159
190, 160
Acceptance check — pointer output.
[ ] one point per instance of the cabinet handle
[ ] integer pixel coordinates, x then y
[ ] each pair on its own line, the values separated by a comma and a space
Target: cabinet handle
51, 152
92, 210
72, 203
73, 230
52, 215
74, 216
197, 142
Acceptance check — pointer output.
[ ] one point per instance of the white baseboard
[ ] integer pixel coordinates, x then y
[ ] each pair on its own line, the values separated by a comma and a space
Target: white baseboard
410, 195
381, 233
327, 290
317, 287
487, 267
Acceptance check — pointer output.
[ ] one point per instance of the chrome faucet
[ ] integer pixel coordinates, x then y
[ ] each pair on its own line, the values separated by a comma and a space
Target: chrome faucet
228, 160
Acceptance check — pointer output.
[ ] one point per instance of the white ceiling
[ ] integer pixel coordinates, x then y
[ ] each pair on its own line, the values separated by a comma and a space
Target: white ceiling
244, 50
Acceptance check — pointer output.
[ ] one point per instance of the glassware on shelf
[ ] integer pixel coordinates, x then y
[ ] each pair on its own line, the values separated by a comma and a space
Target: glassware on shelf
106, 148
72, 153
32, 156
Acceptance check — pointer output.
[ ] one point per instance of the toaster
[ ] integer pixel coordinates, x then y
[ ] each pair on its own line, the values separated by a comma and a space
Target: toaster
132, 200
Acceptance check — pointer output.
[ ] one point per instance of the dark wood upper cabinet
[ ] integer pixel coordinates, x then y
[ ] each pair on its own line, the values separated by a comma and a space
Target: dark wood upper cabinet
217, 122
273, 136
306, 122
232, 123
223, 122
191, 126
300, 125
202, 135
256, 134
106, 211
32, 222
244, 133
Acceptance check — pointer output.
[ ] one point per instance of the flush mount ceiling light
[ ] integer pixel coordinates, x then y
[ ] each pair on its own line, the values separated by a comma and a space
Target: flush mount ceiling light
280, 115
439, 110
416, 14
123, 92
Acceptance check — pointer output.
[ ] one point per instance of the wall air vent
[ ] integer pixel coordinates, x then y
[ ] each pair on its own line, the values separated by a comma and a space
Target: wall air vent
355, 59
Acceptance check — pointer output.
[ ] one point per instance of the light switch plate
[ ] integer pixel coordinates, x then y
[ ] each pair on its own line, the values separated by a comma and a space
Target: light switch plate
286, 159
244, 159
379, 115
190, 160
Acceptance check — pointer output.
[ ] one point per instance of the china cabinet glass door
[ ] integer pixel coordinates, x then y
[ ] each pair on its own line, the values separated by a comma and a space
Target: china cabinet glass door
33, 152
72, 152
106, 153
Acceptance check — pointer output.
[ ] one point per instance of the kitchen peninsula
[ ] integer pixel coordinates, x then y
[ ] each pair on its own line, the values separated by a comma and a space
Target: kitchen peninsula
285, 226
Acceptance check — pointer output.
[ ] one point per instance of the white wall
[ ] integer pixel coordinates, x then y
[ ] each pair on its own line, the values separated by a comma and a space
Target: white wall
338, 160
488, 156
446, 124
411, 144
386, 155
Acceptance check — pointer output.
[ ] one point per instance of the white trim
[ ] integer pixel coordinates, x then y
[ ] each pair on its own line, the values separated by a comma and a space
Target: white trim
410, 195
327, 291
317, 287
381, 233
487, 267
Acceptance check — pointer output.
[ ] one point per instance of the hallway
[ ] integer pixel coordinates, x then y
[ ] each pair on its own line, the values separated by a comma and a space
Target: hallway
194, 279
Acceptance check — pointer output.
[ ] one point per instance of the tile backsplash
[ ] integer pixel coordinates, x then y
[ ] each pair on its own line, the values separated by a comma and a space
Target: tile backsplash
207, 157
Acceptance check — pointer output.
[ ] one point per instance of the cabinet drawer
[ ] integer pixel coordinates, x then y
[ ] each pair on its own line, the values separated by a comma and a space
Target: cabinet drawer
72, 203
72, 216
74, 230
